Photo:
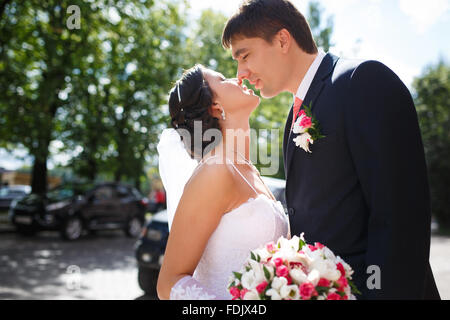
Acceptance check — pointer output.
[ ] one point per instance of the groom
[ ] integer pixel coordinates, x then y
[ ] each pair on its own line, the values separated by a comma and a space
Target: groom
363, 189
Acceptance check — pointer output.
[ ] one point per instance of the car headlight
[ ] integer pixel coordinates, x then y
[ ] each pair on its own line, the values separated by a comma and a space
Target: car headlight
57, 206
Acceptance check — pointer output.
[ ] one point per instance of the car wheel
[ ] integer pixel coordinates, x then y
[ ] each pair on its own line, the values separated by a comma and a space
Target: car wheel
147, 279
134, 227
72, 228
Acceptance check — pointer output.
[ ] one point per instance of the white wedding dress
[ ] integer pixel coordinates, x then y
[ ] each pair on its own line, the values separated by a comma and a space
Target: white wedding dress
255, 223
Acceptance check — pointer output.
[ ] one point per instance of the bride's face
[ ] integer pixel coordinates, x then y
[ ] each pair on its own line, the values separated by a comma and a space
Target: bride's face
230, 96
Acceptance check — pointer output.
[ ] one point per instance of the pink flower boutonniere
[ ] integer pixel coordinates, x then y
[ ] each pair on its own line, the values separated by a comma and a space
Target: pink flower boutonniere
307, 128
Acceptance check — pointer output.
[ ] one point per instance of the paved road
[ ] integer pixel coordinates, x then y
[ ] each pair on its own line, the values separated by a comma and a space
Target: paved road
104, 267
99, 266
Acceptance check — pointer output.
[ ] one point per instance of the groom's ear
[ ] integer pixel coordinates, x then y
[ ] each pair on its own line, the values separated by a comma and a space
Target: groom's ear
284, 40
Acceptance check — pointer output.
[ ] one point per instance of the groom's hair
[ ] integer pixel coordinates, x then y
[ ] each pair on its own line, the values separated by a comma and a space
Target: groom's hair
264, 18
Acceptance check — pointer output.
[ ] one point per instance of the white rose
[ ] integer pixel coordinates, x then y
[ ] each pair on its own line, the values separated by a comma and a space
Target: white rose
295, 243
284, 243
326, 268
258, 272
290, 292
298, 276
303, 141
277, 283
252, 295
314, 277
274, 294
248, 280
328, 253
262, 253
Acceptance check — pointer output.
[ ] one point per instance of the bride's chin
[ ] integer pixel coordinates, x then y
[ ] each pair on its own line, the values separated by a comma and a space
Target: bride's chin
255, 105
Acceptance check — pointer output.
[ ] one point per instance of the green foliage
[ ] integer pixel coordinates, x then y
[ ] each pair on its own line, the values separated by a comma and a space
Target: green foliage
99, 89
102, 89
432, 92
321, 31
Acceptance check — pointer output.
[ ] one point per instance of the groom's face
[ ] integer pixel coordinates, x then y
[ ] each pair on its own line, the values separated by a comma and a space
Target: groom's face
260, 62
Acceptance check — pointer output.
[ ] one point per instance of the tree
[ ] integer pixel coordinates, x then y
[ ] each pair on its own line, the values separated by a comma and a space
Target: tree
321, 31
137, 56
432, 92
100, 89
37, 53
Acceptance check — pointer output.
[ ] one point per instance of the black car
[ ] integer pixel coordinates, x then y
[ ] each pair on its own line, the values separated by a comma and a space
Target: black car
10, 193
152, 243
73, 208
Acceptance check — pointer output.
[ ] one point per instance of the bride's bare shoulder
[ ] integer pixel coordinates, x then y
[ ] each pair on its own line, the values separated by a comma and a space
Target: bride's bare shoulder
212, 173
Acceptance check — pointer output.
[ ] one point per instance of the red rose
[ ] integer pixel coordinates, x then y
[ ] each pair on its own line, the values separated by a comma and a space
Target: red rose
307, 291
278, 262
319, 245
234, 291
243, 293
340, 267
333, 296
302, 113
295, 264
261, 287
282, 271
343, 283
324, 283
306, 123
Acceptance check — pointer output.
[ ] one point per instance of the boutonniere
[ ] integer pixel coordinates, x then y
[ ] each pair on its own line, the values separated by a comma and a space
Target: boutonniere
308, 129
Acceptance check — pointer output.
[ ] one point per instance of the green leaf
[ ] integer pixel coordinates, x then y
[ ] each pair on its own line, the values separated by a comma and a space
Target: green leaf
266, 273
252, 255
354, 288
301, 244
237, 275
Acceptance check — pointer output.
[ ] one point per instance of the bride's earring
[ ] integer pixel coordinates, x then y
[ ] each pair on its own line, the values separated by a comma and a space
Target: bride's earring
223, 115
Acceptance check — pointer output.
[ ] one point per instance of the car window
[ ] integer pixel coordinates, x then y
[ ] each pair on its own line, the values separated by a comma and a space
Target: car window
16, 193
104, 193
122, 191
60, 193
4, 192
136, 193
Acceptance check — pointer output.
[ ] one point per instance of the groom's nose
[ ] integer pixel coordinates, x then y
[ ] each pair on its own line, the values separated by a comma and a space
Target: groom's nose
242, 75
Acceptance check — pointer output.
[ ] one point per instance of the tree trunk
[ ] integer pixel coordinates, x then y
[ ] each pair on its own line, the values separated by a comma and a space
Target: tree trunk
39, 175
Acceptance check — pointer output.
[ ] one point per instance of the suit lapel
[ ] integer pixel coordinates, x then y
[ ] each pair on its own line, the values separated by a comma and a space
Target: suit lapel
317, 85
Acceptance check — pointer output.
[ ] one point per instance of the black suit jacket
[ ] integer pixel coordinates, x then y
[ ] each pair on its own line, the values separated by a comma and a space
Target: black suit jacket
363, 191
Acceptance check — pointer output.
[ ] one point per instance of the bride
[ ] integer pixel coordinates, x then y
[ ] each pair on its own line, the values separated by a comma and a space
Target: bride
225, 210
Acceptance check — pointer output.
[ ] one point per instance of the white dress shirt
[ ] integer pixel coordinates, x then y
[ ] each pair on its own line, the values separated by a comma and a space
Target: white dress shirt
309, 76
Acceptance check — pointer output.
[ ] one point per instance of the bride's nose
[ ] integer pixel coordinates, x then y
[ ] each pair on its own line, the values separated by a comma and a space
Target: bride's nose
238, 81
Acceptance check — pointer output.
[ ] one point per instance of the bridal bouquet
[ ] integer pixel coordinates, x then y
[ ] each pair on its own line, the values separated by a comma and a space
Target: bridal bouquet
293, 270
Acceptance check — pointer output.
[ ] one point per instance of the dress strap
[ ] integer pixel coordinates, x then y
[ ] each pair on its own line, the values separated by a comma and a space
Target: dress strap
232, 164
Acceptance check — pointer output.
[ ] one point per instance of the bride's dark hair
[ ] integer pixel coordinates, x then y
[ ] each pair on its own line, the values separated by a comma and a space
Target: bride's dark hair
196, 102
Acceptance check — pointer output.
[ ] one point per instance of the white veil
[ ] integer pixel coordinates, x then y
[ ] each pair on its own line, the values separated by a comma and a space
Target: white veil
175, 169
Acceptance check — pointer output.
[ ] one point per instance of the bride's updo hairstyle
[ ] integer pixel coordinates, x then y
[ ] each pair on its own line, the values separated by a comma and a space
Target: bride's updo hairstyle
196, 101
